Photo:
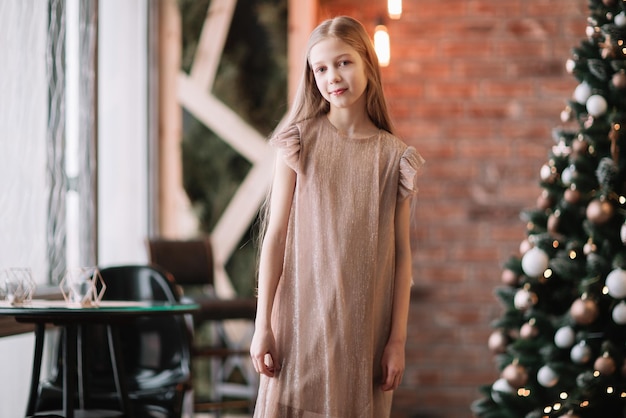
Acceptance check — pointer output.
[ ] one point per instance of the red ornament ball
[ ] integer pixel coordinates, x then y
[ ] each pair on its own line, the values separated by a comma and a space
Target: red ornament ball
605, 365
553, 223
580, 146
584, 311
619, 80
515, 375
497, 342
572, 196
528, 331
608, 3
525, 246
544, 201
509, 277
600, 211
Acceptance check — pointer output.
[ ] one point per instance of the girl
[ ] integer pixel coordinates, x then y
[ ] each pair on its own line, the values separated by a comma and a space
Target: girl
335, 264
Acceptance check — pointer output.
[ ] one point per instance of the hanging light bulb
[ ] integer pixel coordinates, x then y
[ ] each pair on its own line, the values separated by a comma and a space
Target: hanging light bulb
381, 45
394, 8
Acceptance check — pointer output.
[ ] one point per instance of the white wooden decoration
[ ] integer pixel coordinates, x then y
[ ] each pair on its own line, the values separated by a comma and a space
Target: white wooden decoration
195, 95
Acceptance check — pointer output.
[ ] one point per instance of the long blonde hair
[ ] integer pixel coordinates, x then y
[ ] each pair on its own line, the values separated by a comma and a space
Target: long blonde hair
309, 103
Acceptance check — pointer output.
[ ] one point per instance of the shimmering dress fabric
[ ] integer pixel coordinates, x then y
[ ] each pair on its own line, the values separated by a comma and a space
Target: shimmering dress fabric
332, 310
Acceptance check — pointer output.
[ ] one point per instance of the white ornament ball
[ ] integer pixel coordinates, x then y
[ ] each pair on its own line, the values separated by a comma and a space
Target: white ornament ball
616, 283
547, 377
582, 92
564, 337
524, 299
620, 19
570, 65
589, 248
498, 387
580, 353
535, 262
546, 172
622, 233
567, 175
566, 115
619, 313
597, 105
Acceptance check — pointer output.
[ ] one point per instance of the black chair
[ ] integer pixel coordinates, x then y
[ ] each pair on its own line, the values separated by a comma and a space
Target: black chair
191, 264
155, 351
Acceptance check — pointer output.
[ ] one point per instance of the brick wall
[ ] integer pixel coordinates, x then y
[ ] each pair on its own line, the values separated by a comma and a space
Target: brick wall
476, 86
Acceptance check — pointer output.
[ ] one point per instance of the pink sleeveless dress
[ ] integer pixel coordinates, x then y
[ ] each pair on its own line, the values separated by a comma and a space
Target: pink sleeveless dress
332, 311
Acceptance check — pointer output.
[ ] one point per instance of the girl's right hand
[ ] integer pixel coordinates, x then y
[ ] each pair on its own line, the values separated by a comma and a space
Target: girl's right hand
263, 352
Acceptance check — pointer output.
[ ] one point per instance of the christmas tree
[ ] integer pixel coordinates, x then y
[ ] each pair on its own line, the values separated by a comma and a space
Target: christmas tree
560, 345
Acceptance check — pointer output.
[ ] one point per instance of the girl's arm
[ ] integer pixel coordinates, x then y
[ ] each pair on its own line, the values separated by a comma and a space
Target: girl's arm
393, 357
271, 267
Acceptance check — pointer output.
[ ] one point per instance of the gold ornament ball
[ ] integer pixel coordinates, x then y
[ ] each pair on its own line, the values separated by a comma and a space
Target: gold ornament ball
605, 365
619, 80
584, 311
599, 211
515, 375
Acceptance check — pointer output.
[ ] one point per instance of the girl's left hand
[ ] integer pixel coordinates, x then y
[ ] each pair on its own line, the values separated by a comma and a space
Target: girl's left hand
393, 365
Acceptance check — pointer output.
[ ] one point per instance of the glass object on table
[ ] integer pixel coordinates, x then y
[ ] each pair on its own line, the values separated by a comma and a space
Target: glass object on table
82, 286
17, 285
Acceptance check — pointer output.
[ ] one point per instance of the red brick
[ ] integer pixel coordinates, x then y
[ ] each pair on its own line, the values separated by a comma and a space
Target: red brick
477, 86
531, 49
531, 28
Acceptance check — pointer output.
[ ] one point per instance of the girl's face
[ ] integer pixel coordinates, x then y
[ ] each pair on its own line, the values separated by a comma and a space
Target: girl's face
339, 73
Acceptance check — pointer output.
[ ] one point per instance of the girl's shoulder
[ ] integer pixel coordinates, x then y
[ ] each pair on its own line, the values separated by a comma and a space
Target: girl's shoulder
392, 140
410, 158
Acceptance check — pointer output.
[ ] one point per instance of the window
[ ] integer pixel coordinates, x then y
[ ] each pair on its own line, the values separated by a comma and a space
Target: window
47, 135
